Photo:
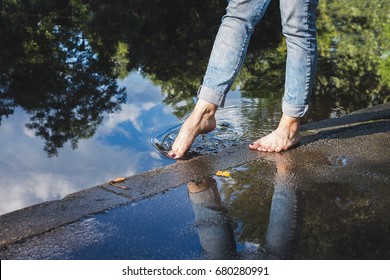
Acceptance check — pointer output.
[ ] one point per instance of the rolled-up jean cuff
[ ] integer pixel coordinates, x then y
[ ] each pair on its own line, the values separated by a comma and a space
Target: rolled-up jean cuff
295, 111
211, 96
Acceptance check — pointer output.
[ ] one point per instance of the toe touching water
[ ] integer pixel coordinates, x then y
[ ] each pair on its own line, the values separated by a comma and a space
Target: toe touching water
202, 120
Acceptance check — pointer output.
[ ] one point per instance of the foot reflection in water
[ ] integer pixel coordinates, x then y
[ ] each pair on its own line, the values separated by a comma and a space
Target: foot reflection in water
215, 230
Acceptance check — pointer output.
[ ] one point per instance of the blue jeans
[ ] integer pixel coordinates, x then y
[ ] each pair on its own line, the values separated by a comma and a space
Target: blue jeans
231, 43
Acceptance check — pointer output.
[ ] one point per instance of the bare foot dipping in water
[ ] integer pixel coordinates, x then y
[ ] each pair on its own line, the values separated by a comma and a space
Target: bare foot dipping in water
298, 19
284, 137
202, 120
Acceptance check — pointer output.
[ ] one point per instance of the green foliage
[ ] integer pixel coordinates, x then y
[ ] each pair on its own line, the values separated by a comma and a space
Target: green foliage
354, 44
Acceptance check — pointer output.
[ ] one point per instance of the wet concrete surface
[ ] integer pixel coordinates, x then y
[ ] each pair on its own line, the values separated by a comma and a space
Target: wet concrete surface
326, 199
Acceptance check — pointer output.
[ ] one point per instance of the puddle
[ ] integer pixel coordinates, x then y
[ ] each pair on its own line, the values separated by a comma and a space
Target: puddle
263, 210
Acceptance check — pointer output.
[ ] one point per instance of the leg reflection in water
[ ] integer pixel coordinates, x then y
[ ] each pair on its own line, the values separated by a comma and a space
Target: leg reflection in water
282, 232
215, 230
213, 225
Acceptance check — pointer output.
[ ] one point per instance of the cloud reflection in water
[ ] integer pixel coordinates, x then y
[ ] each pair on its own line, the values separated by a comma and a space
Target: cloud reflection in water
119, 148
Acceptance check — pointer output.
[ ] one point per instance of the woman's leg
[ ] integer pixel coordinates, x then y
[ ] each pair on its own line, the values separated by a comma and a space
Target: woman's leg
299, 28
227, 56
230, 47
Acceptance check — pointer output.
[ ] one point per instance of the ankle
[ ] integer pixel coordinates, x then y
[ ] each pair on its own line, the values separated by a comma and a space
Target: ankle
205, 108
290, 124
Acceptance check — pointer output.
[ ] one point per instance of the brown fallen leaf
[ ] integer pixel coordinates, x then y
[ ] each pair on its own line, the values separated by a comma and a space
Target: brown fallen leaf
117, 180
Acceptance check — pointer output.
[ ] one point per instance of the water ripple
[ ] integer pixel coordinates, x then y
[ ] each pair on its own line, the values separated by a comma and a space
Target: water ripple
233, 127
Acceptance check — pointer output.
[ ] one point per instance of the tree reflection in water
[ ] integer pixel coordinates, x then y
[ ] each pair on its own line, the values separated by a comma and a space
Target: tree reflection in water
52, 72
60, 61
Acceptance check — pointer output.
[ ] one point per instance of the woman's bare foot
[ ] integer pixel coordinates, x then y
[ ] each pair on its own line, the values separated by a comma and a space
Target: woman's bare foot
284, 137
202, 120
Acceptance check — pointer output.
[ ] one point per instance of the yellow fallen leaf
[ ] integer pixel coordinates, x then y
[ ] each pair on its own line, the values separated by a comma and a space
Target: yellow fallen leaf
223, 173
117, 180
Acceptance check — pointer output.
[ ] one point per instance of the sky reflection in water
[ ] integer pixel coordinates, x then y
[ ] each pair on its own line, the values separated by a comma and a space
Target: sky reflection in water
119, 148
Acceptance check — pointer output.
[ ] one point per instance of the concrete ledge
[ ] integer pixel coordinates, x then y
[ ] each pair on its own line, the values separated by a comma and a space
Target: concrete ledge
43, 217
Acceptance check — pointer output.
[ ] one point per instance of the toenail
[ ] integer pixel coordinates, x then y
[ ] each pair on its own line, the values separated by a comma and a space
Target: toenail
172, 155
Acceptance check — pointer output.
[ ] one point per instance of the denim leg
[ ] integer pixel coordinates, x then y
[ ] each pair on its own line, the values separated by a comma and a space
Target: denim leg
299, 28
230, 47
